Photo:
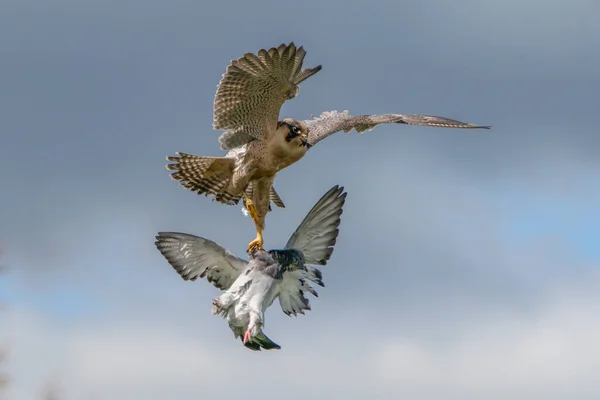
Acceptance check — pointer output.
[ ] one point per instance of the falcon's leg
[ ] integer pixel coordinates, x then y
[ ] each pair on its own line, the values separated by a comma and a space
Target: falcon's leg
256, 244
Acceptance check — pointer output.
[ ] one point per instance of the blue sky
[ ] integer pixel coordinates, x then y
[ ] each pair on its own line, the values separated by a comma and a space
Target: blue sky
537, 217
467, 263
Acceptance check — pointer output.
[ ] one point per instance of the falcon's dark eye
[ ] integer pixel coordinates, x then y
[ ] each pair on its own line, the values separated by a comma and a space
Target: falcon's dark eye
295, 130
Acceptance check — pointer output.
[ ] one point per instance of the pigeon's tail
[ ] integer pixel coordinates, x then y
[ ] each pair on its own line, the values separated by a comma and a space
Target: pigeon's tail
205, 175
261, 341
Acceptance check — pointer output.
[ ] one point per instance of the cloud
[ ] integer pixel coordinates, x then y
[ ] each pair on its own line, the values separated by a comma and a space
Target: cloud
548, 354
465, 266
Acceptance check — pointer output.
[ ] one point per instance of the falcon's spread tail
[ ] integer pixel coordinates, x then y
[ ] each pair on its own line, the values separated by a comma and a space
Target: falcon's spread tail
205, 175
210, 176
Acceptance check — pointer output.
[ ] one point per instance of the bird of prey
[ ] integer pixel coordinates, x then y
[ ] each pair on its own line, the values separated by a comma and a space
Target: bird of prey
252, 286
246, 106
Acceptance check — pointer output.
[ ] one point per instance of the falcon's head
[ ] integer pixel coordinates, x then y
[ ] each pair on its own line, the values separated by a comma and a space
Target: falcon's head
296, 132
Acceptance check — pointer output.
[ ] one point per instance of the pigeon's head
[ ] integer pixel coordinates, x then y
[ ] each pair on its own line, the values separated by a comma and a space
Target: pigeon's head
294, 131
288, 258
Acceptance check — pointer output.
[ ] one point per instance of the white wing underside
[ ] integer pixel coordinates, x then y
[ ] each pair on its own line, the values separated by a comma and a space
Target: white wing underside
194, 257
330, 122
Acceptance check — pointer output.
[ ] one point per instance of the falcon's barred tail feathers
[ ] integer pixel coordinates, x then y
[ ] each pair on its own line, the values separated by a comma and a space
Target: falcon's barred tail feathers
204, 175
211, 176
274, 196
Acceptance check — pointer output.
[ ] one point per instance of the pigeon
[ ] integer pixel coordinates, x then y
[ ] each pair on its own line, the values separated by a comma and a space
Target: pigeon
250, 287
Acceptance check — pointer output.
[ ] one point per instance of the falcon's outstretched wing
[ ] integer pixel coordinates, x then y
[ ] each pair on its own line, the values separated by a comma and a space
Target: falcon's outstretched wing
194, 257
331, 122
252, 91
316, 235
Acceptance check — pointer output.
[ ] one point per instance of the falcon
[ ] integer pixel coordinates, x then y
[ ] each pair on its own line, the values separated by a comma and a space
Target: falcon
246, 106
251, 287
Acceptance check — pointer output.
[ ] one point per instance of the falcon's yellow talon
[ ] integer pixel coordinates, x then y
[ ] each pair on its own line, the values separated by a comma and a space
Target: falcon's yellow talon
256, 244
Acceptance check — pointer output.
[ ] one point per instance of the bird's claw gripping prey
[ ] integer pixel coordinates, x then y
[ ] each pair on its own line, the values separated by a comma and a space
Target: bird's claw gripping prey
260, 142
250, 286
256, 244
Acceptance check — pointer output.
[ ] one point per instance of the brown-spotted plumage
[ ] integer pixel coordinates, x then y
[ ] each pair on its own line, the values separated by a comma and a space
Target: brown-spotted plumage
252, 91
247, 105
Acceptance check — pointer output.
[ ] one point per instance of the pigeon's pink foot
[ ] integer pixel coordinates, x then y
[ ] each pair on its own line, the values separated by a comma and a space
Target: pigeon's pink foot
217, 305
247, 336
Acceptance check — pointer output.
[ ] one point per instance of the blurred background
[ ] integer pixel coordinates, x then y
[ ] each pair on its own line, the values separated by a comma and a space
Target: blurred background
467, 263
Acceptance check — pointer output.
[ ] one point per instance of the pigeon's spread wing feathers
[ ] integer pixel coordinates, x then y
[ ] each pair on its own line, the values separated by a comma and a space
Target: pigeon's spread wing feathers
316, 235
331, 122
252, 91
192, 257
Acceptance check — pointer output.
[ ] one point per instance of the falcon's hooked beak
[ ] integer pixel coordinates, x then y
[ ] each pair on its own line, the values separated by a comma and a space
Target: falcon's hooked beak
304, 139
296, 129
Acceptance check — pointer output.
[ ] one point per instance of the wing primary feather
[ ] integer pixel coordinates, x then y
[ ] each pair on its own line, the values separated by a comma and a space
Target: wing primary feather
330, 122
195, 257
253, 89
317, 233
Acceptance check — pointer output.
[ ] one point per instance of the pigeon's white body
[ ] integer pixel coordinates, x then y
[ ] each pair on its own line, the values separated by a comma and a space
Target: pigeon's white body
252, 286
246, 301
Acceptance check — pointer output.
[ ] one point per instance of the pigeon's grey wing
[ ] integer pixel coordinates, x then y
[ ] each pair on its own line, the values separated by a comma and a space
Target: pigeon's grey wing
195, 257
331, 122
316, 235
252, 91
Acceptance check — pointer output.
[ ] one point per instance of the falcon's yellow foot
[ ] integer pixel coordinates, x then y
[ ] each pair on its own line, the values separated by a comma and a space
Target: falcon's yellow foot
250, 207
256, 244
